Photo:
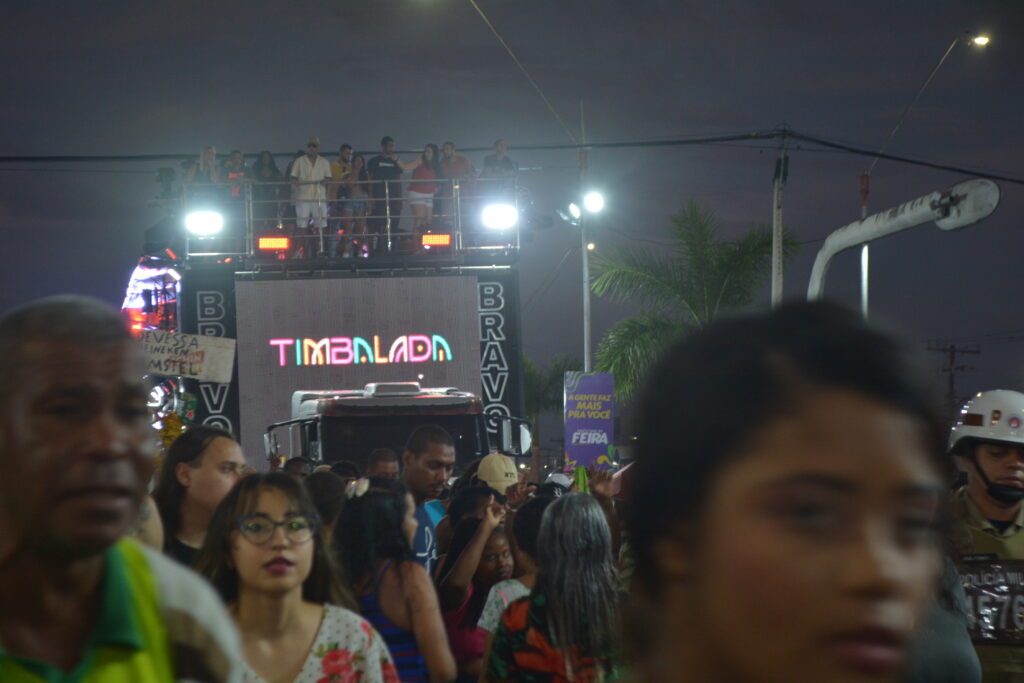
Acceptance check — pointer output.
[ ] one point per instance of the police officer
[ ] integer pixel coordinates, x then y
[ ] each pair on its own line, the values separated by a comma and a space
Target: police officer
989, 511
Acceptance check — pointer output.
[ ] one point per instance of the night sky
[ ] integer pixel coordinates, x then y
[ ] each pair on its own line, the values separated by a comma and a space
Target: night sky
89, 78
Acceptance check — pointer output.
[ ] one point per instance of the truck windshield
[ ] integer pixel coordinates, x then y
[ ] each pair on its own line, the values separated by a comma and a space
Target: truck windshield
355, 437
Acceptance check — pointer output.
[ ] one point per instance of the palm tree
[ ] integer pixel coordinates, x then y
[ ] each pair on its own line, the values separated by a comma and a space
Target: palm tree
543, 393
681, 288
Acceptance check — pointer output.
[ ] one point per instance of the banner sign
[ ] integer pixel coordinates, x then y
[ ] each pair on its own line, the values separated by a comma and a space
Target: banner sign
589, 409
207, 308
188, 355
995, 600
500, 348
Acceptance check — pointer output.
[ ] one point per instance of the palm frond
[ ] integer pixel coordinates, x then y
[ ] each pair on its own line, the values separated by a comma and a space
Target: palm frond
629, 348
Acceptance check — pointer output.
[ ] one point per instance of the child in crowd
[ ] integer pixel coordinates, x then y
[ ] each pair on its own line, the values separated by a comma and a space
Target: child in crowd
266, 554
478, 558
374, 541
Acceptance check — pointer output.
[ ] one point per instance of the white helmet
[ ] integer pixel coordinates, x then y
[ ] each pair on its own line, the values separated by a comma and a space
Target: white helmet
990, 416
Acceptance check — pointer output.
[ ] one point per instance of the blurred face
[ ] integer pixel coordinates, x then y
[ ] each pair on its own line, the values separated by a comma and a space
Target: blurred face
387, 470
447, 150
311, 149
209, 154
426, 473
279, 564
410, 523
236, 160
266, 158
499, 147
428, 153
824, 524
346, 154
388, 147
298, 468
220, 467
496, 563
1001, 463
358, 163
77, 448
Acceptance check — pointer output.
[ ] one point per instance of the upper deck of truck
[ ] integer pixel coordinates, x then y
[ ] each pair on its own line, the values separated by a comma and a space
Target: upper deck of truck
390, 398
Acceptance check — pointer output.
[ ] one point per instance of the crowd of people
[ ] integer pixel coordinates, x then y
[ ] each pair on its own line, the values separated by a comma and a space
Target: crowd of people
351, 201
789, 516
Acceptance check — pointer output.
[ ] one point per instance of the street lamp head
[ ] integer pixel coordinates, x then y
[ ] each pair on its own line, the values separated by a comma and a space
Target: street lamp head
574, 211
591, 246
980, 40
593, 202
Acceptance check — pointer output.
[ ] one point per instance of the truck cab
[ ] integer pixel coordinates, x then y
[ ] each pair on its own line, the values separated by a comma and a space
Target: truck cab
331, 425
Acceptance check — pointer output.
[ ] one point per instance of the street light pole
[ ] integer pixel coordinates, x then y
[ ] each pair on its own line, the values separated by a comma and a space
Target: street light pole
587, 365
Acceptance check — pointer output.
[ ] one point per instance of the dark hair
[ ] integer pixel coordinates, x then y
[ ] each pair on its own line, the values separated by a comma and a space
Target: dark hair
363, 173
435, 159
258, 165
346, 469
425, 435
370, 529
463, 534
327, 490
381, 455
345, 146
169, 493
386, 139
715, 389
465, 501
79, 320
448, 142
577, 576
527, 522
324, 583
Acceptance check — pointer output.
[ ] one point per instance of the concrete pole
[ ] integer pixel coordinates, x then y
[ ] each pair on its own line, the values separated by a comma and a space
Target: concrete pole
777, 237
587, 362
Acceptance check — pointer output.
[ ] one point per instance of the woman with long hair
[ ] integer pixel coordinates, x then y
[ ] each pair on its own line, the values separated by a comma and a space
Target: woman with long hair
206, 170
198, 470
479, 557
266, 190
423, 187
785, 500
268, 557
567, 628
374, 540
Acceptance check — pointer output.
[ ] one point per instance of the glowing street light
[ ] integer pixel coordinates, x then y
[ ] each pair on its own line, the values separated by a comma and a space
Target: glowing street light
593, 202
575, 211
980, 41
499, 216
204, 223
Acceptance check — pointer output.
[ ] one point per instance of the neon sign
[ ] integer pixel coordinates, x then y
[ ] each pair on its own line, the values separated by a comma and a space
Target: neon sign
409, 348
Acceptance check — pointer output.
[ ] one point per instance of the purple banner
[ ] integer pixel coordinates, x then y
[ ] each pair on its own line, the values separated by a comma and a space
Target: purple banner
589, 419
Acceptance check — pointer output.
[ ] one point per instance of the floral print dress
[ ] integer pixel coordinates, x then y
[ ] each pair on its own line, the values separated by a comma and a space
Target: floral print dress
347, 649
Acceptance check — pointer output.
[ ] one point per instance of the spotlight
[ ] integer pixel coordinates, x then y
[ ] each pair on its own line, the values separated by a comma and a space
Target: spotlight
591, 246
574, 211
593, 202
204, 223
499, 216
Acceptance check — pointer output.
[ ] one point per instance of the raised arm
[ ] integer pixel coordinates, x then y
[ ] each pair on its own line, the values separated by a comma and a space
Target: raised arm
409, 165
455, 587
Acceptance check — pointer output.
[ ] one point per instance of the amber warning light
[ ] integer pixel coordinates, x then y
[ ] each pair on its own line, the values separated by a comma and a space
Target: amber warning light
436, 240
274, 243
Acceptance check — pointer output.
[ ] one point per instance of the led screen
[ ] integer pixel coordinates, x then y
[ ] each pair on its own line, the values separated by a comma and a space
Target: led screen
345, 333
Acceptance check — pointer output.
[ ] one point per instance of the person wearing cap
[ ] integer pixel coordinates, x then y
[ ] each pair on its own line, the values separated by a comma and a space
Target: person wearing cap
498, 471
988, 513
309, 175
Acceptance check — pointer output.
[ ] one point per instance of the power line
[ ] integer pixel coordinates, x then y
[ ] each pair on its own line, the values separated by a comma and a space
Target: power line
551, 278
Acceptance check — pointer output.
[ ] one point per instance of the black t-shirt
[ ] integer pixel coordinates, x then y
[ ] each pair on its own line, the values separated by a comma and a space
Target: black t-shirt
185, 554
498, 168
382, 168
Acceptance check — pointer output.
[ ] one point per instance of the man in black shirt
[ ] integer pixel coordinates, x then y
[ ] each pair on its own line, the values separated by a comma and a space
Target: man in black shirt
499, 174
387, 193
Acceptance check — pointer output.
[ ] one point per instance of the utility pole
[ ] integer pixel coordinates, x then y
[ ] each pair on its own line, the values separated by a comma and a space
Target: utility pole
781, 172
950, 370
587, 364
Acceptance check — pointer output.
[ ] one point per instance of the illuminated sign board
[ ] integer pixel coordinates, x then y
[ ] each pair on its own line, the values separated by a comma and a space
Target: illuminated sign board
408, 348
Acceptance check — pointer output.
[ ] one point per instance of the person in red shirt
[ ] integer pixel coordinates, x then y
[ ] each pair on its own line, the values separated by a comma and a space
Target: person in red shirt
423, 188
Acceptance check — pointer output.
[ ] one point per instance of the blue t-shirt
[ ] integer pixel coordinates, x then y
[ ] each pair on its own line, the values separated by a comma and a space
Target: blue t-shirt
424, 545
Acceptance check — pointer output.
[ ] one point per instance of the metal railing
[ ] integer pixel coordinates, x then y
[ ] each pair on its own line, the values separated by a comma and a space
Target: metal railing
349, 219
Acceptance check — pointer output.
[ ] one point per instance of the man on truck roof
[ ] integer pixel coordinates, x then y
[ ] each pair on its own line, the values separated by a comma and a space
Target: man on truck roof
427, 464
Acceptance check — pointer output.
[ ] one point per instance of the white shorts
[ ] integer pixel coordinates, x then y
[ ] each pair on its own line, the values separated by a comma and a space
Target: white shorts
315, 210
420, 199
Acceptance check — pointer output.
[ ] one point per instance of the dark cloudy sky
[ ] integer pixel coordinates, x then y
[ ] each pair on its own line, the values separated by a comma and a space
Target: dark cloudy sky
161, 77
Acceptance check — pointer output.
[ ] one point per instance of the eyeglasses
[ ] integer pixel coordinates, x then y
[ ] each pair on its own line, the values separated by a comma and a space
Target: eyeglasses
258, 528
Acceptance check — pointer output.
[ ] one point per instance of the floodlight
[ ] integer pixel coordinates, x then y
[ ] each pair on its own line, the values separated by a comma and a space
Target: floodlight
204, 223
499, 216
593, 202
574, 211
980, 41
591, 246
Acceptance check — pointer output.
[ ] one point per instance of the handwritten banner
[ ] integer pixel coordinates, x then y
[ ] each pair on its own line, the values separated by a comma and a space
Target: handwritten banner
589, 419
209, 359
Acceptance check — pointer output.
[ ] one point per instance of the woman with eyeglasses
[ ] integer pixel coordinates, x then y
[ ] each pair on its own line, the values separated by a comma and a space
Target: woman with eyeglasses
266, 554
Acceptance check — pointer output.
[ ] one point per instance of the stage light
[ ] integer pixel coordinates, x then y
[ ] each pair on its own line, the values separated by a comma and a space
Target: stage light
204, 223
431, 239
574, 211
593, 202
274, 243
499, 216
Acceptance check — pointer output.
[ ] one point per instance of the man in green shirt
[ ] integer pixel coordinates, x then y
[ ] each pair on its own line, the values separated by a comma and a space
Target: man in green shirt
989, 512
78, 601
